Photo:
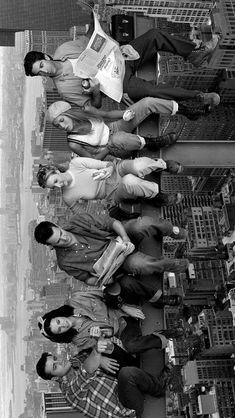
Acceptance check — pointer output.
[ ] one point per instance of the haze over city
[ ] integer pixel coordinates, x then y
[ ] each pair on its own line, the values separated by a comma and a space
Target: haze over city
31, 282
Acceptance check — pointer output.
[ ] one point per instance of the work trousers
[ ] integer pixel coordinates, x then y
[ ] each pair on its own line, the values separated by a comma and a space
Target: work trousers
148, 45
133, 384
139, 263
127, 181
136, 343
122, 142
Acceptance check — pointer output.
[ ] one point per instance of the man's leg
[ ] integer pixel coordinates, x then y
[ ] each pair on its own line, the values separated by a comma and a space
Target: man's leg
133, 383
122, 144
137, 290
146, 227
148, 45
137, 88
132, 187
135, 343
139, 263
141, 167
154, 41
145, 107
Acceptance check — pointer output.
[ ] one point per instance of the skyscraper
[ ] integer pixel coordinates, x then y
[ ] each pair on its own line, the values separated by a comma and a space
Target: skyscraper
220, 331
43, 14
205, 371
176, 11
223, 20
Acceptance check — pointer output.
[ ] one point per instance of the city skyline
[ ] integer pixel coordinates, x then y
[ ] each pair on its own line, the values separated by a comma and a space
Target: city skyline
30, 279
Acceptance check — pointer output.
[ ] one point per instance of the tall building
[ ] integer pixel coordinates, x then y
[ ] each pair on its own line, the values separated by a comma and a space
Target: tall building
223, 21
218, 126
54, 139
171, 183
178, 213
202, 227
43, 14
182, 11
54, 403
225, 396
45, 40
217, 377
219, 330
206, 371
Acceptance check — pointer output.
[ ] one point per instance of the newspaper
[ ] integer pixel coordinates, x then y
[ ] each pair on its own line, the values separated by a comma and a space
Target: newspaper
111, 260
103, 59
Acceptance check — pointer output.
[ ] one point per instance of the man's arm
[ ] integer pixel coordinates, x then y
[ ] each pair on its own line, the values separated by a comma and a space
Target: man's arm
100, 113
83, 152
119, 229
93, 361
90, 163
94, 92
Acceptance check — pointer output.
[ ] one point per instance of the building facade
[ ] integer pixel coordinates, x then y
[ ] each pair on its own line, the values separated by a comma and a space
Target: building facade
43, 15
191, 12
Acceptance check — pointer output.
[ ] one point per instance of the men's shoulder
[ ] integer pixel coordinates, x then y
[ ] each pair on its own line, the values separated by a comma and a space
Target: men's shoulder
71, 49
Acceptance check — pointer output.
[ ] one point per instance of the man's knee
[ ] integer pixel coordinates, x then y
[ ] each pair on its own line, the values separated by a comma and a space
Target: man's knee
144, 166
130, 346
140, 224
129, 181
152, 33
125, 374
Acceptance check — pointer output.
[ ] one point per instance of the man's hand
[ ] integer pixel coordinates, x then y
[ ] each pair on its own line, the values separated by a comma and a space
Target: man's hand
94, 88
125, 238
110, 365
95, 332
103, 173
119, 229
101, 345
133, 311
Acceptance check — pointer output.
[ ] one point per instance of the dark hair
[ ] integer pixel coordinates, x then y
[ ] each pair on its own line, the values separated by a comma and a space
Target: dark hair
41, 365
31, 58
43, 232
66, 337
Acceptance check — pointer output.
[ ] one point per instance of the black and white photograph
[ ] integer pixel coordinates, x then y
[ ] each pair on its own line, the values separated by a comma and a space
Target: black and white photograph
117, 208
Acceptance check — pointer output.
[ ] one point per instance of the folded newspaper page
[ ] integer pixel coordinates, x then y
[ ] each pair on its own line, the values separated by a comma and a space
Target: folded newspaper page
111, 260
103, 59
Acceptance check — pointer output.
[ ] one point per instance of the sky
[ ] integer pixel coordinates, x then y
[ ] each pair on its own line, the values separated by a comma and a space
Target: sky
33, 89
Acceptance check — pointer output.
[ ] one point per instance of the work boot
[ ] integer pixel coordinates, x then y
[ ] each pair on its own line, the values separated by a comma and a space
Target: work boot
174, 167
200, 55
165, 199
209, 99
176, 333
171, 300
178, 233
155, 143
175, 265
165, 376
193, 113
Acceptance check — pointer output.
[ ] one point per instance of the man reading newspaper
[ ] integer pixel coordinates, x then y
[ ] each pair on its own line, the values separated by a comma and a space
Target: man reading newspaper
109, 67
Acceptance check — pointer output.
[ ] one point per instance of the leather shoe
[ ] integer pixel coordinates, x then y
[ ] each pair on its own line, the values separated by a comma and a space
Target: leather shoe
210, 99
204, 52
179, 233
173, 333
166, 140
165, 199
174, 167
171, 300
194, 113
175, 265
